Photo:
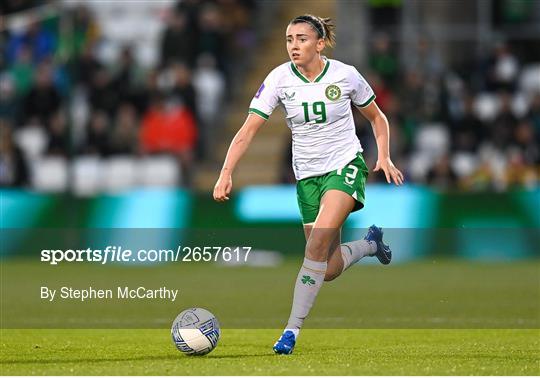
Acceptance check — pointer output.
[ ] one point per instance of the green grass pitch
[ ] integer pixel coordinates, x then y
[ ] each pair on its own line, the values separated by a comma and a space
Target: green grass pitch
432, 317
247, 352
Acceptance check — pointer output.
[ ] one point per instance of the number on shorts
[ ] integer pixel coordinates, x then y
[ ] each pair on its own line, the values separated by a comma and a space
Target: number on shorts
349, 176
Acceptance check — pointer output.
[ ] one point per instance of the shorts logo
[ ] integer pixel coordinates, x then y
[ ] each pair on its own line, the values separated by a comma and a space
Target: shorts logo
332, 92
259, 91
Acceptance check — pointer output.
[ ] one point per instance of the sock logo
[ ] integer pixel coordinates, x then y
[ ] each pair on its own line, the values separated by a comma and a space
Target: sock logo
307, 280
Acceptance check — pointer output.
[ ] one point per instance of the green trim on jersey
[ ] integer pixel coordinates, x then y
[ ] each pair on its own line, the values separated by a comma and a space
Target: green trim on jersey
325, 69
350, 179
259, 113
367, 102
299, 74
305, 79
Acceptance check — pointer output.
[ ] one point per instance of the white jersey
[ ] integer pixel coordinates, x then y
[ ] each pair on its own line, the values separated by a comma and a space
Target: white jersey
318, 113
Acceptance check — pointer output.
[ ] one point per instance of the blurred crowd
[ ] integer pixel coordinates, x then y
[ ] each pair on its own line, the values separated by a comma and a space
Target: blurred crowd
470, 127
61, 99
474, 126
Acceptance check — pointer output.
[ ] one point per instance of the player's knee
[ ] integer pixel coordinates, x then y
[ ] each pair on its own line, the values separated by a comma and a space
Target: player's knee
316, 249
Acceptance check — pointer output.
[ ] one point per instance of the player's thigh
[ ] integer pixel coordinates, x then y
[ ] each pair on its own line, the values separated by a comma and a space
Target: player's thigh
334, 209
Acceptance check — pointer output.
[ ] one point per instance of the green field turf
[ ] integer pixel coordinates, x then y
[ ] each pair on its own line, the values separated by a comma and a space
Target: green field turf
447, 317
424, 294
248, 352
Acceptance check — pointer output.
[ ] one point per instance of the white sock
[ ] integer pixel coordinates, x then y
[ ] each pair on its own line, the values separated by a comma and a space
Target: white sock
296, 331
353, 251
308, 283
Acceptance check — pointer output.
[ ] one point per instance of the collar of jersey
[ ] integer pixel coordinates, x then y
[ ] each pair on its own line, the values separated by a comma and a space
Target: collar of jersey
305, 79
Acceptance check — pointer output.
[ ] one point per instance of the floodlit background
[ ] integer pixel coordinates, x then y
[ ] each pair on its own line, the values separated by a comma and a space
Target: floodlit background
119, 113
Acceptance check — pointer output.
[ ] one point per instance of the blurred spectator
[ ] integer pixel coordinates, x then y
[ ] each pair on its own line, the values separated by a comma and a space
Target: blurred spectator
238, 23
411, 95
441, 175
39, 40
22, 71
102, 92
83, 32
97, 137
501, 128
168, 127
211, 37
178, 42
427, 60
384, 93
191, 10
9, 104
503, 70
468, 130
524, 140
144, 95
534, 116
58, 135
126, 76
124, 137
86, 66
183, 91
382, 59
209, 86
519, 173
13, 167
43, 99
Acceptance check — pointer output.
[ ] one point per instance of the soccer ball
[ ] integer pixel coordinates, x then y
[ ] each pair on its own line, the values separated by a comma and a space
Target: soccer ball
195, 331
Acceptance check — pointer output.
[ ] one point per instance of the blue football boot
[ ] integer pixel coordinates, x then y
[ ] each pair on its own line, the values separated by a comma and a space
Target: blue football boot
285, 344
383, 253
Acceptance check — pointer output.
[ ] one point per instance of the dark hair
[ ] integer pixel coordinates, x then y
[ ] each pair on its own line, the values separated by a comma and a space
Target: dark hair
324, 27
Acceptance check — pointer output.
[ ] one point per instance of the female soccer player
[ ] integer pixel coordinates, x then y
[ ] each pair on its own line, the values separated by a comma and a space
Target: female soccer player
316, 94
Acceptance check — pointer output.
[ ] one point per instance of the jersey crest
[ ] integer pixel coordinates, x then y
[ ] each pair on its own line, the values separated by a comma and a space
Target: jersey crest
332, 92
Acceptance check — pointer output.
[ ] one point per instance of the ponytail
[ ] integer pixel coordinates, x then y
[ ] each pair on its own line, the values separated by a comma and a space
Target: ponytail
329, 31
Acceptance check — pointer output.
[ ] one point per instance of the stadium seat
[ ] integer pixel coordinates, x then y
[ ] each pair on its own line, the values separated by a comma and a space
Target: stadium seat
530, 79
87, 175
486, 106
464, 163
119, 173
163, 171
49, 174
419, 165
433, 140
32, 140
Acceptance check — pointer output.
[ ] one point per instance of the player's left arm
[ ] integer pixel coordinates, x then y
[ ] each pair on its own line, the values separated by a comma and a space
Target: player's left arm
381, 130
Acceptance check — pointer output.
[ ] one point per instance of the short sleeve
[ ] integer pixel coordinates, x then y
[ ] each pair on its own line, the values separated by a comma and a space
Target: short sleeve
362, 94
266, 99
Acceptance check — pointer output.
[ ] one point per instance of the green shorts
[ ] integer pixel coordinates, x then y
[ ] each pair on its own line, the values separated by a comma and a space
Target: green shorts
350, 179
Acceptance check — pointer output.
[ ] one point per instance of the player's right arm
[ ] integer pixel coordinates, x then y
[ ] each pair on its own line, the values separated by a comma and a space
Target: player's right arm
238, 147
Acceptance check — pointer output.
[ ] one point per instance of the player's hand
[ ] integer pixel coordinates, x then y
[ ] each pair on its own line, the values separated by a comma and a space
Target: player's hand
390, 171
223, 188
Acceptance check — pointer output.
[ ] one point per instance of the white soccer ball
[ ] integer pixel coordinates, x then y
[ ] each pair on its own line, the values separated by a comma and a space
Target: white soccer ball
195, 331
